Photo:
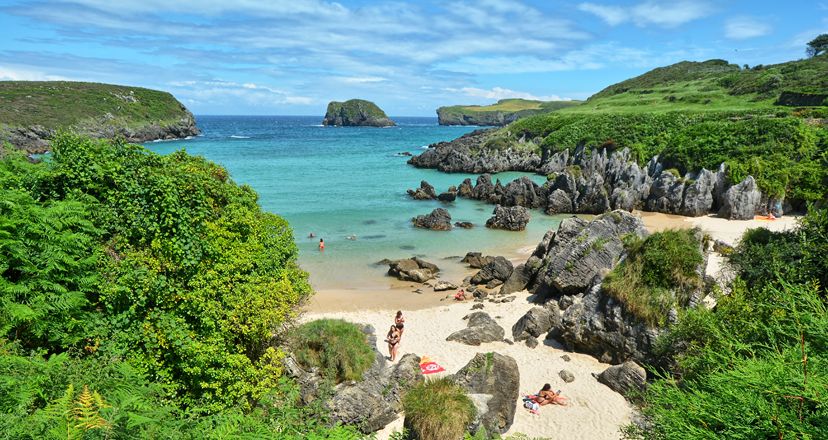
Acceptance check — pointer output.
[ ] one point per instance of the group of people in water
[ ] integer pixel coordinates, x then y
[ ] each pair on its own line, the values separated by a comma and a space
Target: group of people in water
351, 237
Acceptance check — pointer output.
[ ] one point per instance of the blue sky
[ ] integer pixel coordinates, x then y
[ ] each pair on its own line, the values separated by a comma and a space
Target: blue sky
292, 57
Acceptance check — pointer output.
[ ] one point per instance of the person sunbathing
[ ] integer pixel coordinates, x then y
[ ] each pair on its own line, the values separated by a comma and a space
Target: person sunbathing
546, 396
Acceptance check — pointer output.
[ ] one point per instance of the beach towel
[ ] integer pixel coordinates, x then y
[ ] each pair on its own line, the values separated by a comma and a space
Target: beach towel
427, 366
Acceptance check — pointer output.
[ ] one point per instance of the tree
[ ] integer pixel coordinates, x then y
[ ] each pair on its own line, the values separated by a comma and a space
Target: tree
817, 46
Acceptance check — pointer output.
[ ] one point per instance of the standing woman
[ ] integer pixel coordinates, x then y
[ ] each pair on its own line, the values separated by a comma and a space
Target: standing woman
321, 244
399, 321
393, 340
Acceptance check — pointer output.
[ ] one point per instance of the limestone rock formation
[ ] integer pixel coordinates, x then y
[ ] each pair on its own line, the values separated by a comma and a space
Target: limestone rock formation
480, 328
356, 112
513, 218
438, 220
495, 378
624, 378
413, 269
424, 192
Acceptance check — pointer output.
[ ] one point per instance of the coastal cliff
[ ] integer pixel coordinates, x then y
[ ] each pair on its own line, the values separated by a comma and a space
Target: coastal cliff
504, 112
356, 112
32, 111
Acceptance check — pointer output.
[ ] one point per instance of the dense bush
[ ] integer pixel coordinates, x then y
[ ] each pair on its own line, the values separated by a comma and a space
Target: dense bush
659, 273
336, 347
756, 366
144, 294
438, 409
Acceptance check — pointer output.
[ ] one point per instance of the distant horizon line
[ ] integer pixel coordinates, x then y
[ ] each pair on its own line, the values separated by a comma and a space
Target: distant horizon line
300, 116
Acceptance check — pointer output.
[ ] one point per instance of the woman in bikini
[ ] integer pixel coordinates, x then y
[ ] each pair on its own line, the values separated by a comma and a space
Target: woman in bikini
399, 321
393, 340
546, 396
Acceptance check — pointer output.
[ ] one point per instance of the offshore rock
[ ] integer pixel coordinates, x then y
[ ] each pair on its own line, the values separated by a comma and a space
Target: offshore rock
513, 218
438, 220
356, 112
424, 192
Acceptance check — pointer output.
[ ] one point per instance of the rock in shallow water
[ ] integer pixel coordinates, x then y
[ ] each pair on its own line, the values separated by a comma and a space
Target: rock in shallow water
513, 218
438, 220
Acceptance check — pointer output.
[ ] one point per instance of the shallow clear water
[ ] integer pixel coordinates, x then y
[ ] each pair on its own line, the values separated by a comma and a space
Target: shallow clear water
341, 181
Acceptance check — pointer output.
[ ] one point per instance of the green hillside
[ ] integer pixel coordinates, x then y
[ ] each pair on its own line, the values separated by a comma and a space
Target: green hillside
500, 113
56, 104
760, 121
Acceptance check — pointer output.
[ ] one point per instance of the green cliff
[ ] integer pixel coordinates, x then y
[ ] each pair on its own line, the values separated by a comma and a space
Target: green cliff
356, 112
501, 113
32, 111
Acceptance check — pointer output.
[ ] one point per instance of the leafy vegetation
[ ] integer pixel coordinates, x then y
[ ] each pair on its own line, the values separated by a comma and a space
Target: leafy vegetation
337, 347
142, 296
438, 409
659, 273
756, 365
502, 110
45, 103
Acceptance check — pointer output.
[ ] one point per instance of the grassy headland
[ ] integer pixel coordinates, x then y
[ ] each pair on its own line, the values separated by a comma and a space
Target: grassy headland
36, 109
502, 112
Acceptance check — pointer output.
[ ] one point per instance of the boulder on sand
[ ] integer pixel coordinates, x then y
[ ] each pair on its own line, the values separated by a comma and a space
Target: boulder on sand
493, 378
480, 328
476, 260
438, 220
498, 268
513, 218
534, 323
626, 378
413, 269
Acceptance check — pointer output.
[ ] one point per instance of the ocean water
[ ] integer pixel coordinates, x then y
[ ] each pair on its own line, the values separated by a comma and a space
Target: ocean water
351, 181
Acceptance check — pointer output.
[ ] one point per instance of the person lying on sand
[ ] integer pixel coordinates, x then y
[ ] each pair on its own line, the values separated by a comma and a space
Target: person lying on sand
460, 295
546, 396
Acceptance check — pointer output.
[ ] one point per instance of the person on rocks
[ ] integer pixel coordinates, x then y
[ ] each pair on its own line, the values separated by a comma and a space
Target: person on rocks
546, 396
399, 321
393, 340
460, 295
321, 244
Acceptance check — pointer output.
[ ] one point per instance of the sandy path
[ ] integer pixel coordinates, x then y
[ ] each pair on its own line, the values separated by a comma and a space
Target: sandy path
595, 411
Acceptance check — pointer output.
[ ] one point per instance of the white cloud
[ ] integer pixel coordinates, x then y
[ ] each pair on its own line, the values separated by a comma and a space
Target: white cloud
8, 73
256, 95
667, 15
498, 93
362, 79
742, 28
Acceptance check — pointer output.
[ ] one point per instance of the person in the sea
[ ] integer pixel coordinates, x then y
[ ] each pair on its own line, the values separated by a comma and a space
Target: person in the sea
393, 340
399, 320
311, 235
321, 244
546, 396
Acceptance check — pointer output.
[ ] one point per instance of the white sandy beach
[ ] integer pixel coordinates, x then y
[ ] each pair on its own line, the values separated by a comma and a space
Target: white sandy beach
595, 412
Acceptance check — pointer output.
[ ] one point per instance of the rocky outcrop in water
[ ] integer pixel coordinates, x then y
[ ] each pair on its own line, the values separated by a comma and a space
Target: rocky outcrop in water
492, 381
464, 155
512, 218
356, 112
424, 192
438, 220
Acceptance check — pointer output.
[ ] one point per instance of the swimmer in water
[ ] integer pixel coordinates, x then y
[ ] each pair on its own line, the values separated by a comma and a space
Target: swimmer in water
311, 235
321, 244
351, 237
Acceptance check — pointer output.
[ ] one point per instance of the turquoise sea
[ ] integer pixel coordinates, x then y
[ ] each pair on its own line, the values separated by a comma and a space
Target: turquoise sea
343, 181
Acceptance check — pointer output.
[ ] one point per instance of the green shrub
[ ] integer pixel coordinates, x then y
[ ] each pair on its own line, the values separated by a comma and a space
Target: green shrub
658, 274
438, 410
338, 348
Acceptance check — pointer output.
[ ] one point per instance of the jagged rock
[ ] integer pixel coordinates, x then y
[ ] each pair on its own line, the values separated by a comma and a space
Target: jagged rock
441, 286
559, 202
741, 201
498, 268
517, 281
534, 323
580, 251
465, 190
498, 376
625, 378
476, 260
666, 194
412, 269
464, 225
465, 154
477, 306
480, 328
424, 192
698, 196
513, 218
523, 192
447, 197
370, 403
566, 375
438, 220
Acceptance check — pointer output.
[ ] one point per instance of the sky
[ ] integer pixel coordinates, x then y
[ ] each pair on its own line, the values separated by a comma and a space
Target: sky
275, 57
